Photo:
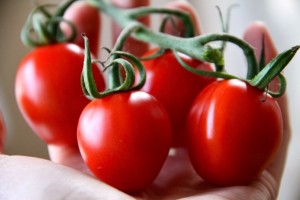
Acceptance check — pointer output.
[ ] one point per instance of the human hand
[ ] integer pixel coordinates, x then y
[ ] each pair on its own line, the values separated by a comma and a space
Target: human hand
176, 180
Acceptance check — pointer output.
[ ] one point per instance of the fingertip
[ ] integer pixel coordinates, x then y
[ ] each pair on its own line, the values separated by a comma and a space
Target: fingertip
185, 6
131, 45
130, 3
257, 33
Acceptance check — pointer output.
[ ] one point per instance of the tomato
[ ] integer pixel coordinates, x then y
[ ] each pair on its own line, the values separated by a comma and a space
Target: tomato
124, 139
234, 132
48, 91
2, 132
175, 87
87, 19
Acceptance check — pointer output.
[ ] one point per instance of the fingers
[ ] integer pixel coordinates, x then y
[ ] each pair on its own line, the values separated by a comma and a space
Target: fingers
130, 3
86, 18
131, 45
255, 34
178, 27
2, 133
35, 178
68, 156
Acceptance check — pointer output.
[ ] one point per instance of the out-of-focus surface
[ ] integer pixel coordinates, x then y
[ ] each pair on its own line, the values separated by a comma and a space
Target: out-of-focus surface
281, 16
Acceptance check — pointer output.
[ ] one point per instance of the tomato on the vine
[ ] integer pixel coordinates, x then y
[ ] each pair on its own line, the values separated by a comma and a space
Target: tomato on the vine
2, 132
124, 139
175, 87
234, 132
49, 94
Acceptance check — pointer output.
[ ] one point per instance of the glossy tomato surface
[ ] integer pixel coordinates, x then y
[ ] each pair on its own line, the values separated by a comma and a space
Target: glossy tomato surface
48, 91
234, 132
2, 132
124, 139
175, 87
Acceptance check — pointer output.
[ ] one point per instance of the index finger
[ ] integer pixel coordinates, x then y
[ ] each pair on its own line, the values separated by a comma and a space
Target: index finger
131, 45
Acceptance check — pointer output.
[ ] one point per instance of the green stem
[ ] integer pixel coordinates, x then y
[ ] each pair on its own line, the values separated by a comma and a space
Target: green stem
186, 19
43, 28
54, 27
115, 79
216, 74
193, 47
198, 47
246, 48
87, 80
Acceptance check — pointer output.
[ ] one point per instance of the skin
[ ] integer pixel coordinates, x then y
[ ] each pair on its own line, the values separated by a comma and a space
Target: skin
37, 178
131, 45
2, 132
81, 14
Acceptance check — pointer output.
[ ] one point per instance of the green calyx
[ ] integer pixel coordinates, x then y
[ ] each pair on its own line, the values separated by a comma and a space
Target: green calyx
43, 28
115, 60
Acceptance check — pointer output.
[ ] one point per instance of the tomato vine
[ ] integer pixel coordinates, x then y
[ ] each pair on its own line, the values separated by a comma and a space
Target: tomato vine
195, 46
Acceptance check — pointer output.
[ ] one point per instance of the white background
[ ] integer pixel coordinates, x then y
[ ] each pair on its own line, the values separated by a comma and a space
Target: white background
281, 16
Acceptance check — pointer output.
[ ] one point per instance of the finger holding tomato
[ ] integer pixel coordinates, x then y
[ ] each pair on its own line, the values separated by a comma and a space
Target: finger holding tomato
86, 18
2, 132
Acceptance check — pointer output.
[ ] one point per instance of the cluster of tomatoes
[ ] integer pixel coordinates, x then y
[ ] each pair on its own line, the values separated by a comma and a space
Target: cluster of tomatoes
230, 129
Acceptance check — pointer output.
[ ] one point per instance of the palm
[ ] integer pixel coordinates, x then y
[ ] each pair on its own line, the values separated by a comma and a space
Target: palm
178, 180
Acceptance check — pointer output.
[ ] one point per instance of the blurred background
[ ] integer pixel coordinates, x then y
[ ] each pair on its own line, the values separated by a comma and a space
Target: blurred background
281, 16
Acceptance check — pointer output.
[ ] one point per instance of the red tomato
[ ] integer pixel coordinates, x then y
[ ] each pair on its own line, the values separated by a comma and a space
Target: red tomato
87, 19
2, 132
49, 94
124, 139
234, 132
175, 87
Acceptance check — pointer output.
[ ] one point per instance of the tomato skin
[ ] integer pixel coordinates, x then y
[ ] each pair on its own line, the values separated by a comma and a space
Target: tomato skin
2, 132
87, 19
175, 88
124, 139
48, 91
234, 132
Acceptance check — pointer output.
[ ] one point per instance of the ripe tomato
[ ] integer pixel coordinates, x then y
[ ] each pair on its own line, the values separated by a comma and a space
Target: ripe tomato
124, 139
175, 87
49, 94
2, 132
87, 19
234, 132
